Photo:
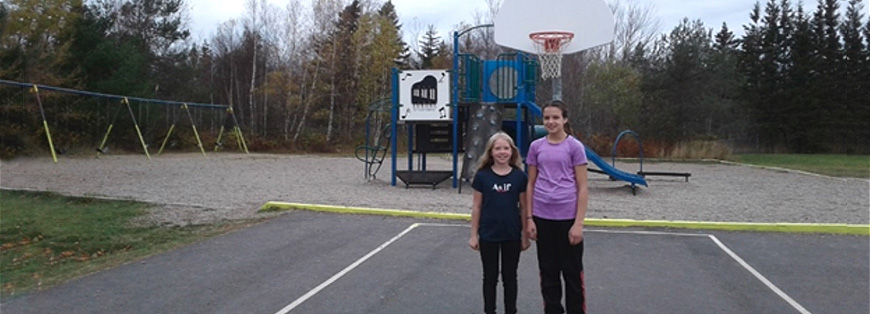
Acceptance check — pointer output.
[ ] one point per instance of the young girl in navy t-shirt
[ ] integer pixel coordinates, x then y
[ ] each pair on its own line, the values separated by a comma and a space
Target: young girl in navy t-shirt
496, 219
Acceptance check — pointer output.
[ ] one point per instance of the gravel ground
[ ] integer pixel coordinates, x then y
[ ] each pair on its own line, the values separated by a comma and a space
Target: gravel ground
194, 189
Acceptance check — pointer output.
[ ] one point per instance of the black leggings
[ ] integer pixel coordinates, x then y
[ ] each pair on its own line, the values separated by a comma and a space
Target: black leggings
558, 258
510, 259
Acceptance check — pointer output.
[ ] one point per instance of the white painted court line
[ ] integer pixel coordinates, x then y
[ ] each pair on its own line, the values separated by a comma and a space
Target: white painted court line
760, 277
344, 271
443, 225
733, 255
649, 233
722, 246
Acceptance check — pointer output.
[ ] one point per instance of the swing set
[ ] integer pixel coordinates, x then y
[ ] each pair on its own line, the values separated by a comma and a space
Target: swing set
126, 100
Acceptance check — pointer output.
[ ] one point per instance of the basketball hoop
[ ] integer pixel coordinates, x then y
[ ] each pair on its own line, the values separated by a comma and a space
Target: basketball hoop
550, 46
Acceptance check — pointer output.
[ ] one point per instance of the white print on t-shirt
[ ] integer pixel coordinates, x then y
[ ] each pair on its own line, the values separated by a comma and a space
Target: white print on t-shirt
503, 188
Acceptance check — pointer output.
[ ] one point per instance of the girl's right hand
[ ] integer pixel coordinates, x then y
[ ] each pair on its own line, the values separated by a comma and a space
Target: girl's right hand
531, 230
474, 243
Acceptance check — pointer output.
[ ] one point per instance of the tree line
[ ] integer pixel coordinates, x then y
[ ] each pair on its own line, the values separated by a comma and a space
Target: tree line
304, 76
795, 81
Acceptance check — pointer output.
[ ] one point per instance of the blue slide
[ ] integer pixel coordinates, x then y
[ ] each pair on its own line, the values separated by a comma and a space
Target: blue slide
613, 172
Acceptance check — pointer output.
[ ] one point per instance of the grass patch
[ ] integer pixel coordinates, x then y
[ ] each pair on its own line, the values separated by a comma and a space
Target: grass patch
833, 165
46, 239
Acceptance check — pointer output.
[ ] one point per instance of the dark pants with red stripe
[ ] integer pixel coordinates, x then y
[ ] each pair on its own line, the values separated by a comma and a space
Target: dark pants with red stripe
558, 260
510, 259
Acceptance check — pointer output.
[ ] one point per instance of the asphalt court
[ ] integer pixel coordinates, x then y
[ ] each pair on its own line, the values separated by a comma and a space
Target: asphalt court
309, 262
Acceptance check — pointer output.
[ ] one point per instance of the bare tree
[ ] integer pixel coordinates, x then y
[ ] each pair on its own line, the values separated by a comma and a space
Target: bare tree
225, 43
292, 37
636, 27
414, 32
322, 26
252, 24
269, 33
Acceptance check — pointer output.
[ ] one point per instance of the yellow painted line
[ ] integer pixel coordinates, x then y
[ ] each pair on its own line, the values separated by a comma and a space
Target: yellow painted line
274, 206
735, 226
597, 222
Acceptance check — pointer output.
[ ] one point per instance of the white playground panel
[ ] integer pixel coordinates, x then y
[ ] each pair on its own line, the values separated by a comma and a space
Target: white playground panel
424, 95
591, 22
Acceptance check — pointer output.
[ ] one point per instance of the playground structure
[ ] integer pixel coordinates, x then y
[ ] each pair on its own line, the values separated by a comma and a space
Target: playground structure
102, 148
438, 121
483, 92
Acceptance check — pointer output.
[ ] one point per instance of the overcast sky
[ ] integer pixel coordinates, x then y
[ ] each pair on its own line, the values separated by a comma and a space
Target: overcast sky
415, 15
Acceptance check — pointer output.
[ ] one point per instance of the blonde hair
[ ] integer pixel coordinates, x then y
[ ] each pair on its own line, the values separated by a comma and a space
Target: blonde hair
487, 161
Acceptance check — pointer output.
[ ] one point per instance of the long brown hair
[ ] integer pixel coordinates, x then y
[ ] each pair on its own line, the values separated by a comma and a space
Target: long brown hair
564, 108
487, 161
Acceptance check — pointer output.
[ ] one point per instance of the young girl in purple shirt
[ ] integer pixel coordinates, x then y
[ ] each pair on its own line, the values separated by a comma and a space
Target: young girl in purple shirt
558, 194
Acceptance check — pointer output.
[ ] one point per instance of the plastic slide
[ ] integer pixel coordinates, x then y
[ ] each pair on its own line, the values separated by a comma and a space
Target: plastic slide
613, 172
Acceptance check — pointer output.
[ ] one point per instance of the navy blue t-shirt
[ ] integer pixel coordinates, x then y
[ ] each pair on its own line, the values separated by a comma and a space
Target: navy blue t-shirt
500, 212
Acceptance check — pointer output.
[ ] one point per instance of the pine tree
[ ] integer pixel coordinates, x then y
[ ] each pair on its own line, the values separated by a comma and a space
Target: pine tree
865, 77
430, 48
751, 68
855, 91
388, 11
156, 23
105, 63
726, 119
867, 36
801, 84
773, 107
349, 65
341, 57
685, 112
830, 82
380, 51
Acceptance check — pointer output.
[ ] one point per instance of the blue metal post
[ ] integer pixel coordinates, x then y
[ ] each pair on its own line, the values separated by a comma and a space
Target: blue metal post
520, 126
394, 117
410, 145
368, 134
521, 84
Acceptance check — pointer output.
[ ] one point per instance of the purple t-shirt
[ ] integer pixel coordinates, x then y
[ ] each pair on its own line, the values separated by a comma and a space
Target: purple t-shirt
555, 193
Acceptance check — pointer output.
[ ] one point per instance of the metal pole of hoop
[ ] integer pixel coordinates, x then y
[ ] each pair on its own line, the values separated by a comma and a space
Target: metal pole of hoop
557, 88
550, 45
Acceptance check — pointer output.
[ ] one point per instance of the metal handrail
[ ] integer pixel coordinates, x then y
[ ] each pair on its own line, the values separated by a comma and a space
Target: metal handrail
616, 143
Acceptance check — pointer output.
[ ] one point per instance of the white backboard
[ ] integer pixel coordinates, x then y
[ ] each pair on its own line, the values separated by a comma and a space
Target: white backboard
591, 21
424, 95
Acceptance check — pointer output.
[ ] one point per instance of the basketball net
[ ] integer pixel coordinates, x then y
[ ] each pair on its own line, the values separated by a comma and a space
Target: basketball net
550, 46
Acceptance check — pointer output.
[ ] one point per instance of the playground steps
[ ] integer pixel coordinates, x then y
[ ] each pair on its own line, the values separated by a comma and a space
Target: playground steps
420, 177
